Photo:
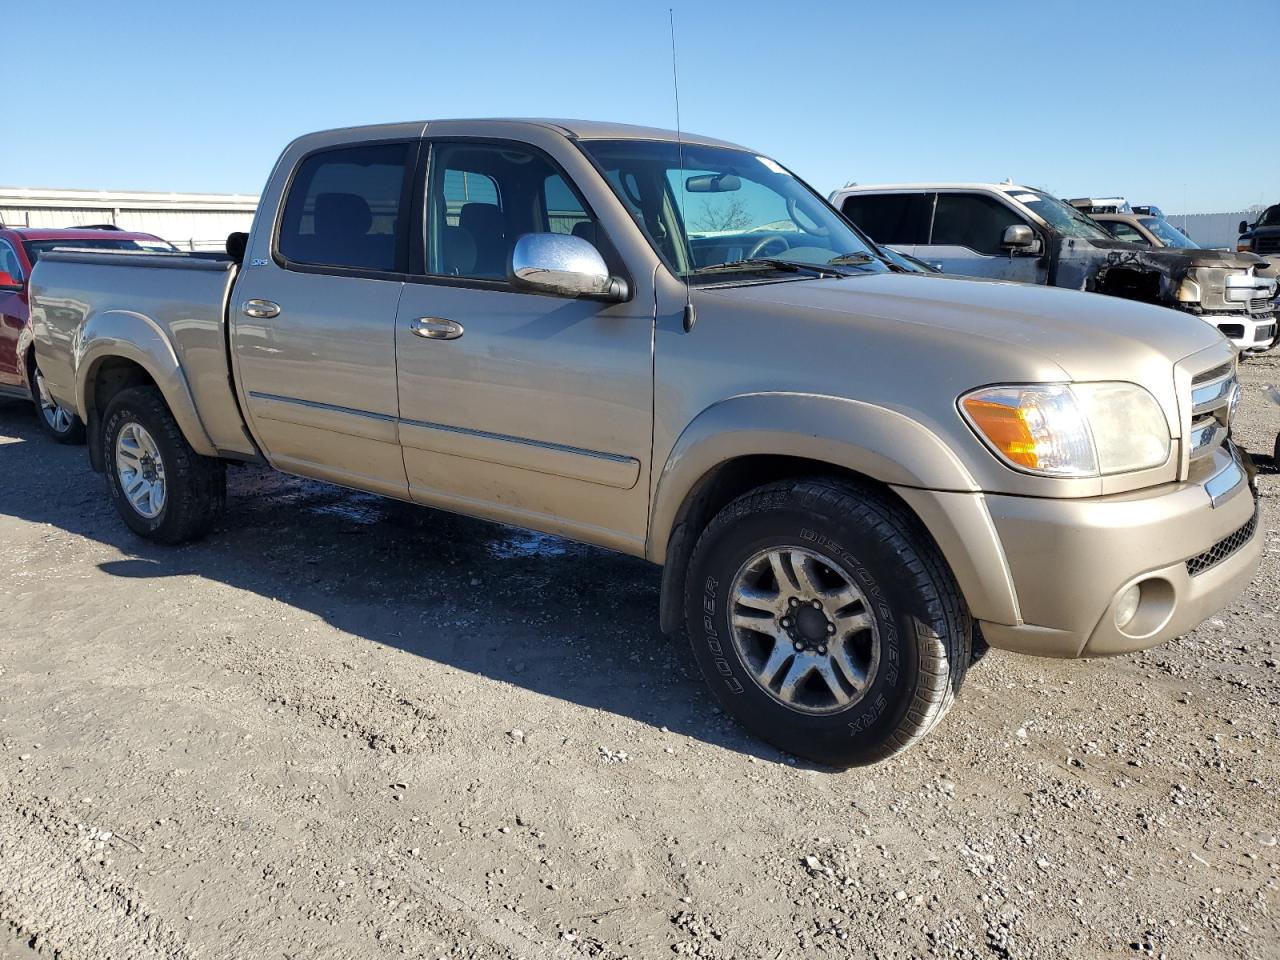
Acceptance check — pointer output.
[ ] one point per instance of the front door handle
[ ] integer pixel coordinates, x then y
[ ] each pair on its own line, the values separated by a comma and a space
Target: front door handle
261, 309
436, 328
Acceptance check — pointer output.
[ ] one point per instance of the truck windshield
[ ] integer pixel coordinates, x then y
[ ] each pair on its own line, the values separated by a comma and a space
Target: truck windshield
1170, 235
724, 212
1270, 217
36, 247
1062, 217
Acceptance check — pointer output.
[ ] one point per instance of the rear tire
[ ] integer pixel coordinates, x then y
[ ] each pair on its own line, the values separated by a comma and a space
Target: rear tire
58, 423
826, 621
163, 489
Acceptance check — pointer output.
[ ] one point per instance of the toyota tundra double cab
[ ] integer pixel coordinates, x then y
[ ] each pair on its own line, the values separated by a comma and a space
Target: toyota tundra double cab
675, 349
1008, 232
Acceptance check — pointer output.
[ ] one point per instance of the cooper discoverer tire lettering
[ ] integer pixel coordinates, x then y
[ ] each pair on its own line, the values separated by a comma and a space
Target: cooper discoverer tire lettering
826, 621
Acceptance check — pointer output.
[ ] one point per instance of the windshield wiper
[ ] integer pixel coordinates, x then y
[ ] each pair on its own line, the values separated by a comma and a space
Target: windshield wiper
769, 263
857, 259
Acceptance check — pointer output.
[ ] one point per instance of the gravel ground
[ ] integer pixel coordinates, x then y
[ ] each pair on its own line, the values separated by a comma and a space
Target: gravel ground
341, 727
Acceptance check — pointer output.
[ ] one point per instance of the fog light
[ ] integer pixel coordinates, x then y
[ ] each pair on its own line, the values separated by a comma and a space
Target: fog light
1127, 606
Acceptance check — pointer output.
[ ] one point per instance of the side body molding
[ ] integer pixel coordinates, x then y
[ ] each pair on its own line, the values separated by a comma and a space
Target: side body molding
132, 336
874, 441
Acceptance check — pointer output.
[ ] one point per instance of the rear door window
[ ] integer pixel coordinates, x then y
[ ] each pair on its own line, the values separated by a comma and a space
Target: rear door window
972, 220
345, 208
901, 218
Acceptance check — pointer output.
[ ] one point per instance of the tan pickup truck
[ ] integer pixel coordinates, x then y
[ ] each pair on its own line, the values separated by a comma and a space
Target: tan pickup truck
850, 474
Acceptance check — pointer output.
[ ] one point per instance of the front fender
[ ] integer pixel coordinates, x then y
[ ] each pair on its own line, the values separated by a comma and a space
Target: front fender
864, 438
126, 335
871, 440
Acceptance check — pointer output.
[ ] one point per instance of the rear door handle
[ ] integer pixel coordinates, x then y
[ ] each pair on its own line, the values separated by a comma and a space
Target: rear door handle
261, 309
436, 328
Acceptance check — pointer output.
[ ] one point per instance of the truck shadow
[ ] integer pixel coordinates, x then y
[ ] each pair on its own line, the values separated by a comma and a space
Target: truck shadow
552, 616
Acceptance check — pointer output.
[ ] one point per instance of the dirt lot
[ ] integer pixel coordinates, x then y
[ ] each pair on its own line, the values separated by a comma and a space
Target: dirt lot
341, 727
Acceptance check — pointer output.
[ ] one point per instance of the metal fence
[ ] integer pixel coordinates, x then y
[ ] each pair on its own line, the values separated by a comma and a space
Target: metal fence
1212, 229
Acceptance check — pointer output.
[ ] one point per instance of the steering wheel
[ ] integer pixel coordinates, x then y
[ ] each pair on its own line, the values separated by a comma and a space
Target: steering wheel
758, 248
811, 228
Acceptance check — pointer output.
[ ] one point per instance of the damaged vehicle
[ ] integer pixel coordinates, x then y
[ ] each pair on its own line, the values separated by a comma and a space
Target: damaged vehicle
1008, 232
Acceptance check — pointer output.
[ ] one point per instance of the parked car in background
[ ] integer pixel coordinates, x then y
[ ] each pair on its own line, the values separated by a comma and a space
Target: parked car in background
1144, 229
20, 249
1009, 232
581, 328
1262, 237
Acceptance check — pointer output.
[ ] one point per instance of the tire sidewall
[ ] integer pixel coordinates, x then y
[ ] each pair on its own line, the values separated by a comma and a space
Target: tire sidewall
845, 736
75, 430
120, 413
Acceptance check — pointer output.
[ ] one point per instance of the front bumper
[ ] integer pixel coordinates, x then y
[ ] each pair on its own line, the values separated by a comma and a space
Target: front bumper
1070, 560
1249, 332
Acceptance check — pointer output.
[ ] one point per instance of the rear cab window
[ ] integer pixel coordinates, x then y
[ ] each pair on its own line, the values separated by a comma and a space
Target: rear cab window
899, 218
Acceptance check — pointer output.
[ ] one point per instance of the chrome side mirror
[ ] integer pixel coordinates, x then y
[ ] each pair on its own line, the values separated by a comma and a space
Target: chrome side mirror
563, 265
1018, 236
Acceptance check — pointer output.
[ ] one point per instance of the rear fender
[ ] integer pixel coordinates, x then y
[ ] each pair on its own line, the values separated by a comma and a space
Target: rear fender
126, 335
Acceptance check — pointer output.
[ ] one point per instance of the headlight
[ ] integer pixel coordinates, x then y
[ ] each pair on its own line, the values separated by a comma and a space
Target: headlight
1077, 430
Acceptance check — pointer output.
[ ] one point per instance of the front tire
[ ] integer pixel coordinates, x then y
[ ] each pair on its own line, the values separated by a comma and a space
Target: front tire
163, 489
826, 621
59, 423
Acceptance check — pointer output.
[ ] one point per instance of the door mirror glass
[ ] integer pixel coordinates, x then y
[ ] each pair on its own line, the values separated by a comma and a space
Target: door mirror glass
9, 282
563, 265
1018, 236
1244, 226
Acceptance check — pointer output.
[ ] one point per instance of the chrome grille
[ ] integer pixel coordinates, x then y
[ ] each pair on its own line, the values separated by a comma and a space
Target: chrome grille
1213, 373
1212, 393
1261, 305
1223, 548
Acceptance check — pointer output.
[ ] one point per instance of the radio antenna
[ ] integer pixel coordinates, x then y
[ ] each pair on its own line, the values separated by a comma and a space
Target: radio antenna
689, 316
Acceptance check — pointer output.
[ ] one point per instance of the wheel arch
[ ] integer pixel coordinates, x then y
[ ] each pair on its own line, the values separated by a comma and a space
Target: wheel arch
747, 441
121, 349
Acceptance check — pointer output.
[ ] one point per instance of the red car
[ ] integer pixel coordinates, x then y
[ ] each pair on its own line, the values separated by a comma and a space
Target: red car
20, 248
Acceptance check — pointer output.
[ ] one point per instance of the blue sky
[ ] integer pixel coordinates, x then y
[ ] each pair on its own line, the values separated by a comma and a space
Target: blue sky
1154, 100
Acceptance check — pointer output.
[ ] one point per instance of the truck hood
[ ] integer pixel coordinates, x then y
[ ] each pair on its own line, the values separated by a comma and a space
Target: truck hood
1082, 336
1180, 258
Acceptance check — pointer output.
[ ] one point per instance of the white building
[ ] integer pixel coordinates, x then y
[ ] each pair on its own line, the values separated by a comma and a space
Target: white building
192, 221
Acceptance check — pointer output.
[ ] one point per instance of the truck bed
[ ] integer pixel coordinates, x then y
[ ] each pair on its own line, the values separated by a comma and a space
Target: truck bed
173, 306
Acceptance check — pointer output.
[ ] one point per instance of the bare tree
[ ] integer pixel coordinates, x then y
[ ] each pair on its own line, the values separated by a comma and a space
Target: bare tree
718, 217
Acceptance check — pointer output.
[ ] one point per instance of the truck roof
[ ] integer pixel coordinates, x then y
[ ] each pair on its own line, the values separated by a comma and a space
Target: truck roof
930, 185
576, 129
